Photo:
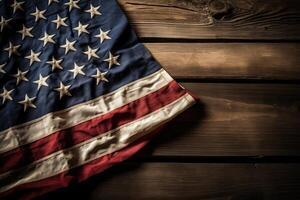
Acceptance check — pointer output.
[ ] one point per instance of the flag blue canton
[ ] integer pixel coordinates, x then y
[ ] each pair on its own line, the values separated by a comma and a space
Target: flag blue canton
59, 53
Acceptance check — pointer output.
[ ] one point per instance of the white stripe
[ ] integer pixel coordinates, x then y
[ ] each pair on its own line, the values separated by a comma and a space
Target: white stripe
56, 121
94, 148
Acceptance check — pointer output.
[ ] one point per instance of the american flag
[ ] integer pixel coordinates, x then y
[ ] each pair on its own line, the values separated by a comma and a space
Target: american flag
78, 93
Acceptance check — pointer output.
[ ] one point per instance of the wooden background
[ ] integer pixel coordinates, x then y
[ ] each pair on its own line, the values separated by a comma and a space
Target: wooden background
242, 57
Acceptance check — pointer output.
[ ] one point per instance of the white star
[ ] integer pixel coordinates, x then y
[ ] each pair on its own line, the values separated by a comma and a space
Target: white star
25, 32
112, 60
20, 76
77, 70
3, 23
81, 28
17, 5
63, 90
47, 38
91, 53
103, 35
60, 21
12, 49
38, 14
6, 95
100, 76
68, 46
50, 1
1, 68
27, 102
72, 4
33, 57
55, 63
93, 11
41, 81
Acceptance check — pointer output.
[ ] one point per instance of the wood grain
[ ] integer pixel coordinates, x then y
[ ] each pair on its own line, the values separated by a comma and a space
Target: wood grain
260, 61
215, 19
235, 120
191, 181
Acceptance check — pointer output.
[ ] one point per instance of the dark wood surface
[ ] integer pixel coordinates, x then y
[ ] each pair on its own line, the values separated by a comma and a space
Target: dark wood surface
257, 61
235, 119
215, 19
242, 141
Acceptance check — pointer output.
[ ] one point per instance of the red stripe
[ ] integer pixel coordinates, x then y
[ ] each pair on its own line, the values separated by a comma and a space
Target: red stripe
66, 138
30, 190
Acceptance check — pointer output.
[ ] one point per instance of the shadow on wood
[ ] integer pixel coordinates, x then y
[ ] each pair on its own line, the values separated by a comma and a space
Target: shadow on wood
166, 136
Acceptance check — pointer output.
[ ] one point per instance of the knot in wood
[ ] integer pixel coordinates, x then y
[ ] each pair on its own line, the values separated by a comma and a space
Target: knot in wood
219, 8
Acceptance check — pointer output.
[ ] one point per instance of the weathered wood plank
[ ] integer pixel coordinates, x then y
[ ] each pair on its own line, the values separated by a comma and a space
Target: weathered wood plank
190, 181
235, 120
268, 61
215, 19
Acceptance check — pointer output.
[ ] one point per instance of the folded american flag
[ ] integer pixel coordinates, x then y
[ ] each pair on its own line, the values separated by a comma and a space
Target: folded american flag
78, 93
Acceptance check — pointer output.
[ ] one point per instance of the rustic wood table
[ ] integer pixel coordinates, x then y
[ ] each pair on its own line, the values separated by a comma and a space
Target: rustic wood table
242, 141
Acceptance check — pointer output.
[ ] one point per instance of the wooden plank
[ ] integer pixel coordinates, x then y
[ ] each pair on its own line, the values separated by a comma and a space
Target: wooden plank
215, 19
190, 181
267, 61
235, 120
